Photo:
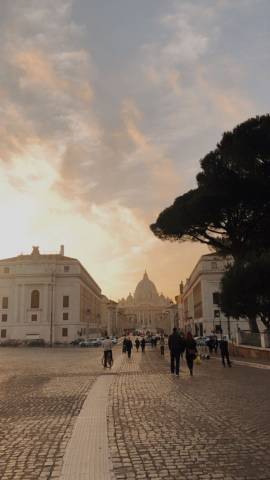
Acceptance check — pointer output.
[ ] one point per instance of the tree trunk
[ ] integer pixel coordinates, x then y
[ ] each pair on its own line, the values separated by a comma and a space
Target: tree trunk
253, 325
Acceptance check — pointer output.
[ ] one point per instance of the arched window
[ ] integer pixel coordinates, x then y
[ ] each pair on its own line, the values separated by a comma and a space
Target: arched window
35, 299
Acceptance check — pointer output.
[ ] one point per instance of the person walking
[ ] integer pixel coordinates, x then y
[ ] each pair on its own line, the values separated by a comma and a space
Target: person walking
124, 347
137, 344
107, 349
143, 344
129, 346
176, 346
162, 344
224, 350
191, 351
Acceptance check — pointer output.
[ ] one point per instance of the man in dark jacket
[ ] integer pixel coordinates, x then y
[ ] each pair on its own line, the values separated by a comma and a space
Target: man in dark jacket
224, 350
176, 345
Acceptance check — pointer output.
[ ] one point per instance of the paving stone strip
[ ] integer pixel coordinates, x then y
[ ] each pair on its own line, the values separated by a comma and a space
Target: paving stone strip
87, 456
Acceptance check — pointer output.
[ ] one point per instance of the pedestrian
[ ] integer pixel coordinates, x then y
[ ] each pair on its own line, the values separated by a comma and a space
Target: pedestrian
124, 347
191, 351
143, 344
182, 335
162, 344
155, 341
129, 346
224, 350
152, 342
137, 344
176, 345
107, 349
210, 344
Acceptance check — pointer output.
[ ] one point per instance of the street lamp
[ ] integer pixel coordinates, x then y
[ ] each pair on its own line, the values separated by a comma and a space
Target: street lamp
88, 316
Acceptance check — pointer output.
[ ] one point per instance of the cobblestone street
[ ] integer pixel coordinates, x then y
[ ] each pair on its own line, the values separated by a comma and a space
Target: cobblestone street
212, 426
42, 392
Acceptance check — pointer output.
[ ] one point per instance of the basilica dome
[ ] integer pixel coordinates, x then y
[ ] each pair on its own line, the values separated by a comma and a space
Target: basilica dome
146, 291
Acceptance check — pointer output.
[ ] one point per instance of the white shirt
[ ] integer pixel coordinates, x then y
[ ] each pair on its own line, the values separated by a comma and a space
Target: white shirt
107, 344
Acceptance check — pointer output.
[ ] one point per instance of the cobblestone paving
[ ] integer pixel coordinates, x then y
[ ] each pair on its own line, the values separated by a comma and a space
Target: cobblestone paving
213, 426
41, 394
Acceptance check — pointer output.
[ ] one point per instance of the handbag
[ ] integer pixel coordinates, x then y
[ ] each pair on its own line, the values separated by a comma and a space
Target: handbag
197, 360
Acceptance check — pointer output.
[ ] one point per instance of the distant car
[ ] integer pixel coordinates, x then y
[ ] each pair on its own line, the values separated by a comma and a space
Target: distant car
77, 341
91, 342
201, 341
114, 340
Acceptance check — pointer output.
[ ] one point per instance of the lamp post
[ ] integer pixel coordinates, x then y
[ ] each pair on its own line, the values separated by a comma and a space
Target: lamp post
88, 317
52, 310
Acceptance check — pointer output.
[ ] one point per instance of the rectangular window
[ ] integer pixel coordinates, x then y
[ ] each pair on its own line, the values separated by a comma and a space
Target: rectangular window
4, 317
216, 298
3, 333
34, 317
65, 301
5, 302
216, 313
6, 269
64, 332
65, 315
66, 268
213, 265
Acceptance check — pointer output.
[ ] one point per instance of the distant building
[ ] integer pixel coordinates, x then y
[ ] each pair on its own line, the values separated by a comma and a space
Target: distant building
50, 297
199, 299
146, 310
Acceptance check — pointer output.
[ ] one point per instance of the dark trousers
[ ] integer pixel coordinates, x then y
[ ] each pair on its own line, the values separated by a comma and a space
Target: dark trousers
162, 350
107, 355
129, 353
225, 355
190, 359
175, 362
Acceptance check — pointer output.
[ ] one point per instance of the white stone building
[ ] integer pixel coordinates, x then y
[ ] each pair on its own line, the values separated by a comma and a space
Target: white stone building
198, 304
50, 297
146, 310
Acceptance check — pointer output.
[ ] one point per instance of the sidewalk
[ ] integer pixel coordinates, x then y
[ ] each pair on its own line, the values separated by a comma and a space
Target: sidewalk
141, 422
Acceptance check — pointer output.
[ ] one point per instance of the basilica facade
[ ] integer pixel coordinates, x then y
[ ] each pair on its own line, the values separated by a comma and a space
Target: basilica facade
146, 310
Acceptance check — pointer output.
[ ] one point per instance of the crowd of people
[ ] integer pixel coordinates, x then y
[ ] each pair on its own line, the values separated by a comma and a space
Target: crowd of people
178, 344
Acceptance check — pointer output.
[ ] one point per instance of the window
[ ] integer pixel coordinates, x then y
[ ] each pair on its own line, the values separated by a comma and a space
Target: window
66, 268
64, 332
65, 315
216, 298
213, 265
34, 317
35, 299
4, 317
6, 269
65, 301
5, 302
216, 313
3, 333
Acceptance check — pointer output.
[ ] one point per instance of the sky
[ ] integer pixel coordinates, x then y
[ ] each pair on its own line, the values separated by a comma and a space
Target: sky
107, 107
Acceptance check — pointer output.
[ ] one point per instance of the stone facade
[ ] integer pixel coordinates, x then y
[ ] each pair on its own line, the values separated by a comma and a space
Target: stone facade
50, 297
198, 302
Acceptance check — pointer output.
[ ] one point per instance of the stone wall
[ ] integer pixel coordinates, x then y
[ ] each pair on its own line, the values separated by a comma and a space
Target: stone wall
248, 352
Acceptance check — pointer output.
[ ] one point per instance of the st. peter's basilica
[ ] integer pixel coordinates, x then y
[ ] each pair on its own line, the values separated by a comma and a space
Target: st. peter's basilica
146, 310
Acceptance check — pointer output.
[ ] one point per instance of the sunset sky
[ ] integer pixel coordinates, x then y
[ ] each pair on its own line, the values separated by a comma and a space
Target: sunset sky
107, 106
